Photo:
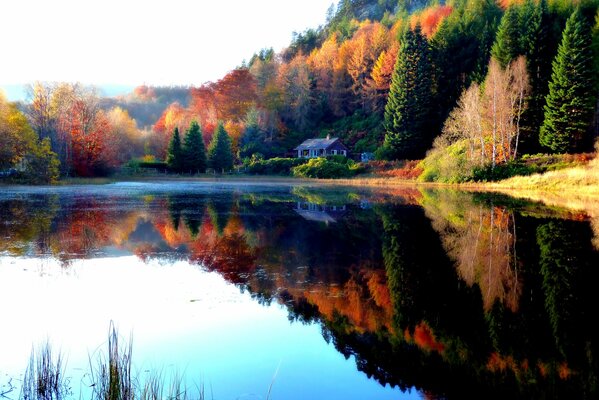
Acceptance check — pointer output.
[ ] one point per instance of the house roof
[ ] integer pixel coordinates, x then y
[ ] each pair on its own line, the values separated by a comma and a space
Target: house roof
315, 144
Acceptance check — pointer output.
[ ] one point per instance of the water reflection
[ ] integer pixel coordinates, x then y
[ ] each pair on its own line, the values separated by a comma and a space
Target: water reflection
449, 292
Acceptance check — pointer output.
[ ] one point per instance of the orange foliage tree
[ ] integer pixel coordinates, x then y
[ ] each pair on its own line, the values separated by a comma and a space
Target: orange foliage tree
430, 19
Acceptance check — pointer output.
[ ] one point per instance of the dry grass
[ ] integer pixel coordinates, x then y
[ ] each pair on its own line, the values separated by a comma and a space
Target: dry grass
582, 180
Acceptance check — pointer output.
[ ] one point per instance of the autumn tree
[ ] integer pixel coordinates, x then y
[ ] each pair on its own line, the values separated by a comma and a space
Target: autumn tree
220, 155
503, 103
21, 148
16, 136
408, 106
173, 116
484, 128
235, 94
126, 136
39, 112
174, 155
42, 163
380, 78
295, 81
92, 146
194, 150
571, 99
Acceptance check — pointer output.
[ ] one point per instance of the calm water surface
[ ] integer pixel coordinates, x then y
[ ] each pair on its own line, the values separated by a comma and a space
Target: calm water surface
323, 293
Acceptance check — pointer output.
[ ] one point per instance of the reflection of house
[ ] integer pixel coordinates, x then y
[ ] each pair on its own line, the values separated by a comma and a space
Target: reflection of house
319, 213
321, 148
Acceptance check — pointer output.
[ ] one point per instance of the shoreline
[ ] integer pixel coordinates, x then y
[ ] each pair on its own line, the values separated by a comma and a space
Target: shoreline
530, 189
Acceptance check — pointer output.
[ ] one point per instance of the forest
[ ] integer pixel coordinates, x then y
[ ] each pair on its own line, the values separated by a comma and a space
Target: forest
466, 87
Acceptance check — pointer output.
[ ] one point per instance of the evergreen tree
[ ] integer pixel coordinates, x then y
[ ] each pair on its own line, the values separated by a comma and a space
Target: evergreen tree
461, 49
507, 43
194, 151
571, 99
174, 156
408, 109
220, 154
536, 43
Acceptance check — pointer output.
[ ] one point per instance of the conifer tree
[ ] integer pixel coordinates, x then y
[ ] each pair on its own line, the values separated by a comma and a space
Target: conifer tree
220, 154
536, 45
507, 43
194, 151
571, 99
174, 156
408, 109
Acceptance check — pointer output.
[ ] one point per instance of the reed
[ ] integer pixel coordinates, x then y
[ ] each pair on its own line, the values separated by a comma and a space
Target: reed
44, 378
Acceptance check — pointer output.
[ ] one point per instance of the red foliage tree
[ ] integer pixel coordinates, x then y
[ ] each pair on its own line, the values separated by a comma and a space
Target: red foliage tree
235, 94
430, 18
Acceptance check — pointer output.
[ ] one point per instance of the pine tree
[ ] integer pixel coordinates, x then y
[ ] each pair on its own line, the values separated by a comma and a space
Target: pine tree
194, 151
220, 154
538, 51
507, 43
174, 156
408, 109
571, 99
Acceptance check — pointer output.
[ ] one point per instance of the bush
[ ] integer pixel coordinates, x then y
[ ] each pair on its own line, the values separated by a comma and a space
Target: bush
137, 165
325, 169
273, 166
446, 164
488, 173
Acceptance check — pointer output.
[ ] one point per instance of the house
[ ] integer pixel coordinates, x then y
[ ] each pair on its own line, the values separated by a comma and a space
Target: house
328, 146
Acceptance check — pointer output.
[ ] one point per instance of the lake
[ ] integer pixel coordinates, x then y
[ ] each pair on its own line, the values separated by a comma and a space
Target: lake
303, 292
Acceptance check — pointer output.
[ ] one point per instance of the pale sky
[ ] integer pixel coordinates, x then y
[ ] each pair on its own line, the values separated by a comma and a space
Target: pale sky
130, 42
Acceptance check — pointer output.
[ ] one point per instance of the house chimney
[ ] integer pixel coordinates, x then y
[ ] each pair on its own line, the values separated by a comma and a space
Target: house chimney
328, 137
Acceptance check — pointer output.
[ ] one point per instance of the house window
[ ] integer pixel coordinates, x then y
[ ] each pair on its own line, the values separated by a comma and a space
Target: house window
305, 153
334, 152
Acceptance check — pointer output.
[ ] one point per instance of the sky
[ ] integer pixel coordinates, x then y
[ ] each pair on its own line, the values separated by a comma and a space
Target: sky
133, 42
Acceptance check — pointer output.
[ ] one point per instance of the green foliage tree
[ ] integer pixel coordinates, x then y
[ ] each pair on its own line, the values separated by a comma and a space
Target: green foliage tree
220, 155
536, 44
507, 43
408, 108
571, 99
194, 151
17, 138
461, 48
21, 148
566, 261
42, 164
174, 155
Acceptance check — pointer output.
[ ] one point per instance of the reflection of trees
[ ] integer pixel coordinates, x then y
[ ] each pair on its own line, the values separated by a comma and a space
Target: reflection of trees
27, 222
482, 241
568, 266
411, 293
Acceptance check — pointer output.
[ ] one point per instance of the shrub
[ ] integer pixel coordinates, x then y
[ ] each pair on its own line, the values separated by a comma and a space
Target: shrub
137, 165
488, 173
446, 164
409, 170
325, 169
273, 166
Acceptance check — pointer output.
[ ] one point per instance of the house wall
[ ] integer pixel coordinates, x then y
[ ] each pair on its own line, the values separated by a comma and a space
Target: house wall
334, 149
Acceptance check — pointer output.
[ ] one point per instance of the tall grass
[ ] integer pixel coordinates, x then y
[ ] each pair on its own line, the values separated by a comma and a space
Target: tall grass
44, 378
111, 376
